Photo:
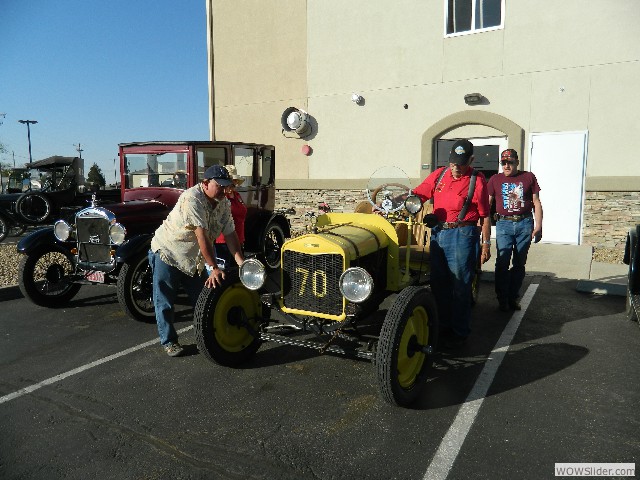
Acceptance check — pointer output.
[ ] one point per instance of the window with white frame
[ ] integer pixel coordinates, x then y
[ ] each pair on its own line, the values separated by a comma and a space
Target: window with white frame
468, 16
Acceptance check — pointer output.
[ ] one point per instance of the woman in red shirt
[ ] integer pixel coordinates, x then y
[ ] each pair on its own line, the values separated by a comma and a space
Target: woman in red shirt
238, 212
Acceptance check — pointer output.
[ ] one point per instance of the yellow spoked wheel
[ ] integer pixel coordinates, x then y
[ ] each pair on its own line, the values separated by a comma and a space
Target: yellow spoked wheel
408, 336
226, 322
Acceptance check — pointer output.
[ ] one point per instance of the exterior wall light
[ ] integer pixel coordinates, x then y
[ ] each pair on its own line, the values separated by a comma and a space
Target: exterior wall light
473, 98
357, 99
296, 120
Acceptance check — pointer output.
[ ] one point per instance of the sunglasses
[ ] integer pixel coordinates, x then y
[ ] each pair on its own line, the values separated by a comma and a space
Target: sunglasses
507, 162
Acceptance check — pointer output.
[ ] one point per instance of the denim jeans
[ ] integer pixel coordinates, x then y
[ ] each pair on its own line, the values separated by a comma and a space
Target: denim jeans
454, 255
513, 239
166, 282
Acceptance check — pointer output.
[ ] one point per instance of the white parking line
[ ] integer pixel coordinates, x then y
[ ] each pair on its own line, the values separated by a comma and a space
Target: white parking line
452, 442
75, 371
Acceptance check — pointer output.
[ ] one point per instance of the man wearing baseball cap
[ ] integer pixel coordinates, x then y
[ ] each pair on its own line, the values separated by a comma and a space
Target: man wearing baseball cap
516, 194
184, 243
461, 203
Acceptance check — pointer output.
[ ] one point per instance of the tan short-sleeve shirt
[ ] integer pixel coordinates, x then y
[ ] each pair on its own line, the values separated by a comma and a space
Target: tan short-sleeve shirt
175, 240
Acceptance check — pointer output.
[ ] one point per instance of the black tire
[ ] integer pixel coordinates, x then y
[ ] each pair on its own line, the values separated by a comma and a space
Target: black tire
135, 289
633, 283
44, 277
632, 314
33, 207
218, 323
4, 228
401, 367
272, 246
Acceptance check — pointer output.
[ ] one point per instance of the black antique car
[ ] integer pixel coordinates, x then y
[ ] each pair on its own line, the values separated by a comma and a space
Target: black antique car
39, 193
632, 258
108, 244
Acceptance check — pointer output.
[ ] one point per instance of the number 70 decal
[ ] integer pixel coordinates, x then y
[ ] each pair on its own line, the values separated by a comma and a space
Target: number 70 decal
318, 282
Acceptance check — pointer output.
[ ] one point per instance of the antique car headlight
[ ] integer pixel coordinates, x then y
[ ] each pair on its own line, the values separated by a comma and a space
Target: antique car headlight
356, 284
252, 274
62, 230
413, 204
117, 233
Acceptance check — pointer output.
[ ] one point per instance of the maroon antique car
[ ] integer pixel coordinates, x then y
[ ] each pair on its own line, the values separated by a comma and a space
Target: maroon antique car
108, 244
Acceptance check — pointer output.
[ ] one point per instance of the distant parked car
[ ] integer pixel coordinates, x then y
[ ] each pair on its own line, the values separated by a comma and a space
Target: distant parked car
108, 244
40, 192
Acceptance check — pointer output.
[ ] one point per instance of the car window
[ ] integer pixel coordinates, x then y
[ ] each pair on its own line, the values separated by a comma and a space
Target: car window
155, 170
243, 160
208, 157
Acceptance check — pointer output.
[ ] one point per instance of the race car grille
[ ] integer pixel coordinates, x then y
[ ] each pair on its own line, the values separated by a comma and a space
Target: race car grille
93, 239
310, 282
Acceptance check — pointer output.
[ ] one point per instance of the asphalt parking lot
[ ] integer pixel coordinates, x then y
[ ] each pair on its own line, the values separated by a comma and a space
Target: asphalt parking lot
87, 393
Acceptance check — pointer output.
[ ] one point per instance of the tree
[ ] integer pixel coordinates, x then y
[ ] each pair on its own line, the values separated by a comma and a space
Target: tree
95, 176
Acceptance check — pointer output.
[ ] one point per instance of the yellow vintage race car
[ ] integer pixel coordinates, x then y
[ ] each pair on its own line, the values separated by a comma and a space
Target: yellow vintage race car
330, 283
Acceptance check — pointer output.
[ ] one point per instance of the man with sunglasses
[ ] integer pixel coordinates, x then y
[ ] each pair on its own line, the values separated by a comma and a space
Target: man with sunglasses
461, 203
516, 194
184, 243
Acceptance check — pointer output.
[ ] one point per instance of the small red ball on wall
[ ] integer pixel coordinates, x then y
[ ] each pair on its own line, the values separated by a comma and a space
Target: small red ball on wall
306, 150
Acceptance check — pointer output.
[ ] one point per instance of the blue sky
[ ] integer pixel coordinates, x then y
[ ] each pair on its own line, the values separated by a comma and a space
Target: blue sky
99, 73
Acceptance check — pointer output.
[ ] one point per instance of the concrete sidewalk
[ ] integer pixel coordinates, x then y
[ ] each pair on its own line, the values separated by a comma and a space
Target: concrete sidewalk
572, 262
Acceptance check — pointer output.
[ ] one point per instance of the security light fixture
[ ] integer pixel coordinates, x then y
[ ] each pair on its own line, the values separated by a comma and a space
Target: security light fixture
473, 98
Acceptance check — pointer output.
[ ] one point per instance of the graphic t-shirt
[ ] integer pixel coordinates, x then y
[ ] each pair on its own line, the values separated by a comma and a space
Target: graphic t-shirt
514, 194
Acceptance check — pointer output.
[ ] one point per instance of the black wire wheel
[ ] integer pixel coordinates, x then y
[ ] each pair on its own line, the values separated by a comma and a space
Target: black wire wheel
135, 289
4, 228
632, 257
272, 245
226, 321
407, 340
33, 207
45, 277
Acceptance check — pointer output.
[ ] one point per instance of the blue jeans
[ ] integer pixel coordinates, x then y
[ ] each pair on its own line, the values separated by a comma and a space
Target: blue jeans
513, 239
454, 255
166, 282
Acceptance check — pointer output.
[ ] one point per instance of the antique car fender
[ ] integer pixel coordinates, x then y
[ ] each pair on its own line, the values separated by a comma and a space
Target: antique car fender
133, 247
632, 258
42, 236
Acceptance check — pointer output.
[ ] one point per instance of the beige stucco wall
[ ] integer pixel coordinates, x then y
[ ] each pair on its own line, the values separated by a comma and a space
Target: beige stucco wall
555, 66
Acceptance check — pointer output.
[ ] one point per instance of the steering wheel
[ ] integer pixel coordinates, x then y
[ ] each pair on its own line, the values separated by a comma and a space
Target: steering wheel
394, 197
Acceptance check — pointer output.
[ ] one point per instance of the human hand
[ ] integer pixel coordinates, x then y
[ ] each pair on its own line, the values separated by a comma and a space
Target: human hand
486, 254
215, 278
536, 235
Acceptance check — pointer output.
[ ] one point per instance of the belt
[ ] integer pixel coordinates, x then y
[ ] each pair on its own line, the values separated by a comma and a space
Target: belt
515, 218
447, 225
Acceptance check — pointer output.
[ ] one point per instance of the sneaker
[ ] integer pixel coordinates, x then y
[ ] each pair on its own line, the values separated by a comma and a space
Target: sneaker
174, 349
514, 305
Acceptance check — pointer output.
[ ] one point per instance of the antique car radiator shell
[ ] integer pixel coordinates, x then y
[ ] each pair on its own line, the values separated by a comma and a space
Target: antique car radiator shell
312, 265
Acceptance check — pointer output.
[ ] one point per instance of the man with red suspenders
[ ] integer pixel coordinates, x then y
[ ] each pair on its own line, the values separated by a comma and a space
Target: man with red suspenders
460, 201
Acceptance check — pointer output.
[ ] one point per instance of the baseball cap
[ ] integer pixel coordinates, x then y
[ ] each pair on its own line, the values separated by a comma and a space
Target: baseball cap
219, 174
461, 152
509, 153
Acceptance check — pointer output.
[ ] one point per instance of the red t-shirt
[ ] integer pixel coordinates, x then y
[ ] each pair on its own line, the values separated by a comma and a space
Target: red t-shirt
239, 213
451, 193
514, 194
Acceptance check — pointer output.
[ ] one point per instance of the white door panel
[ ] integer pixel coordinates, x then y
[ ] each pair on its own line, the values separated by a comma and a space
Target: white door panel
558, 161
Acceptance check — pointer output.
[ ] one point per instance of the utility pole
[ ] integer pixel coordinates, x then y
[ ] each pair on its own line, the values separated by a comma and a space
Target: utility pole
28, 122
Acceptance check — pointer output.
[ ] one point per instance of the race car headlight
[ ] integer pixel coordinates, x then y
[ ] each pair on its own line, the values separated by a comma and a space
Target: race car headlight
62, 230
117, 233
252, 274
413, 204
356, 284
